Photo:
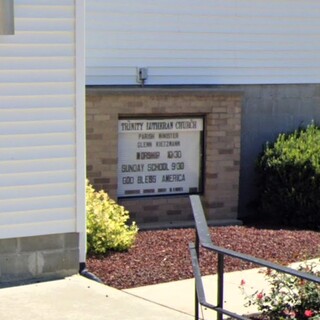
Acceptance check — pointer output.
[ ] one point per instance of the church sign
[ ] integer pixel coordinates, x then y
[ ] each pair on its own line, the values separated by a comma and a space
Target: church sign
159, 156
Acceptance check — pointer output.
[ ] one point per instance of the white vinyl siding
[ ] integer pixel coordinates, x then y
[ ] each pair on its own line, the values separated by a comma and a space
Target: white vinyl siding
203, 42
38, 121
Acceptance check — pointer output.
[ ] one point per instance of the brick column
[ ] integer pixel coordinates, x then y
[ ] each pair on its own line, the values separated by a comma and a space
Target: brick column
222, 115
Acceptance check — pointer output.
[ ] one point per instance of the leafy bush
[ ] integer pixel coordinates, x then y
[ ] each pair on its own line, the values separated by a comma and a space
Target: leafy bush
289, 178
106, 223
289, 297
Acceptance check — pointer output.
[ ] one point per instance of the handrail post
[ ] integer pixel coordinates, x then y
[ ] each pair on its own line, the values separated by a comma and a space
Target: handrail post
196, 302
220, 284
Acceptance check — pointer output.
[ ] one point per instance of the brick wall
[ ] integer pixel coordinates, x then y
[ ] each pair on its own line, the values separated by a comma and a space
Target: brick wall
222, 114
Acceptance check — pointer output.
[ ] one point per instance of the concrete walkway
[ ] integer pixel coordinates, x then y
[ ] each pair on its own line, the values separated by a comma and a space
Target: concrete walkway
179, 295
78, 298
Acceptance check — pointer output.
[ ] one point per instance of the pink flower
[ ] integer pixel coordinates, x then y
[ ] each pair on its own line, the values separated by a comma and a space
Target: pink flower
242, 283
308, 313
260, 296
289, 313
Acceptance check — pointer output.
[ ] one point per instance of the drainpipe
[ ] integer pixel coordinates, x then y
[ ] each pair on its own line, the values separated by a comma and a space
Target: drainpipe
6, 17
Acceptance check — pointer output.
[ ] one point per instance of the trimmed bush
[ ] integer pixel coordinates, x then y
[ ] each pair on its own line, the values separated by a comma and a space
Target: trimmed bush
289, 178
106, 223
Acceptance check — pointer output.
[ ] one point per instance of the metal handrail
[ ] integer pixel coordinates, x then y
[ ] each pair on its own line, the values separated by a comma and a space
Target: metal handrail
203, 239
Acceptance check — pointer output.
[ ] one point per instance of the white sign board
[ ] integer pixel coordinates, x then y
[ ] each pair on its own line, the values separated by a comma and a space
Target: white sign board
159, 156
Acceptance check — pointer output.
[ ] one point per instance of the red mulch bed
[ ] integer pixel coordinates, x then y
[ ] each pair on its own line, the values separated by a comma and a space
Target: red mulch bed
163, 255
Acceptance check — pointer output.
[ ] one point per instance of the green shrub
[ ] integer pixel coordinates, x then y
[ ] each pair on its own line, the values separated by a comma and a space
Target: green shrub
289, 178
106, 223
